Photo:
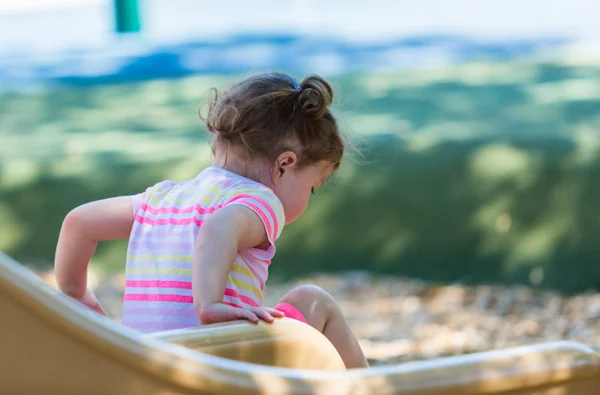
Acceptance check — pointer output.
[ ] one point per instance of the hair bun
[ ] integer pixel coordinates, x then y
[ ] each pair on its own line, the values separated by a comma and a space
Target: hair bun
315, 96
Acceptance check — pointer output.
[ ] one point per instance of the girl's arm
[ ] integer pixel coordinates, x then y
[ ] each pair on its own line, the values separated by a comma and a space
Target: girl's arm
229, 230
81, 231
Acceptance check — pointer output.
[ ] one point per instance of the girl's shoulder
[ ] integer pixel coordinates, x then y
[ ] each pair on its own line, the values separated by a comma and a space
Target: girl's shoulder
213, 186
232, 184
257, 197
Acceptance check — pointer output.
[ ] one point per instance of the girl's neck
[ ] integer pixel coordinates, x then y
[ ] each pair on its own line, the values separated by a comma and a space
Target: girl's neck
255, 169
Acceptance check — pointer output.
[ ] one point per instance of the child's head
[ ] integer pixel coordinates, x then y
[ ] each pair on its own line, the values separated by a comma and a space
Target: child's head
280, 132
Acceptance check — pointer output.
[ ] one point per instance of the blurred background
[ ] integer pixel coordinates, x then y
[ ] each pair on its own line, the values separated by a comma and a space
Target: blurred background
468, 217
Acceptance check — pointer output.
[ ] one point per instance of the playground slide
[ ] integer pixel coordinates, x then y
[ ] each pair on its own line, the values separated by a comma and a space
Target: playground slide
51, 345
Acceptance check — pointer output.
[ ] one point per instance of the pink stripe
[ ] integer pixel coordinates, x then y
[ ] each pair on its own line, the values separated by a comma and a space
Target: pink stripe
271, 212
159, 298
159, 284
175, 210
177, 298
264, 203
264, 219
233, 293
159, 311
168, 221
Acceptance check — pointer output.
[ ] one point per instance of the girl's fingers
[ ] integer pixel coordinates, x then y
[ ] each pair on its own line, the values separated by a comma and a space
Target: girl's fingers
274, 312
263, 314
249, 315
99, 309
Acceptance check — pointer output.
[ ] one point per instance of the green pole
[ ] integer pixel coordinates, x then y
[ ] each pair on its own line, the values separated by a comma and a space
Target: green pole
127, 16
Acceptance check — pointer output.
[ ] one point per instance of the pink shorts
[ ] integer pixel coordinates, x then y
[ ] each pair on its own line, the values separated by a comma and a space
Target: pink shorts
291, 311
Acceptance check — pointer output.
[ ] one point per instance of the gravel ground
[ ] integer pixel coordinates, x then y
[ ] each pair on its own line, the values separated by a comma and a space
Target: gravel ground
399, 320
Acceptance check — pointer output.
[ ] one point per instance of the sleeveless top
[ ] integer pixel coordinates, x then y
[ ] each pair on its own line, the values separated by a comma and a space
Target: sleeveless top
167, 217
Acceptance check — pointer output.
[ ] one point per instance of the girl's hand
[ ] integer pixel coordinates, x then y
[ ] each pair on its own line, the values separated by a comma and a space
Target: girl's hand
89, 299
219, 312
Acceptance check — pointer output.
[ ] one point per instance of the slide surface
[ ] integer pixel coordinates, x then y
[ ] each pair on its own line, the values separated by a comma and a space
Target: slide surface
51, 345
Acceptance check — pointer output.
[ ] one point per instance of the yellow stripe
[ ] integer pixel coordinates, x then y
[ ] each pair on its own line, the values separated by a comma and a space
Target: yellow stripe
157, 188
205, 193
213, 189
163, 270
242, 270
183, 258
265, 194
159, 258
248, 287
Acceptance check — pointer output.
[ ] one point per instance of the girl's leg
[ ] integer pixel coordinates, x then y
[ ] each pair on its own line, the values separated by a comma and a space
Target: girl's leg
324, 314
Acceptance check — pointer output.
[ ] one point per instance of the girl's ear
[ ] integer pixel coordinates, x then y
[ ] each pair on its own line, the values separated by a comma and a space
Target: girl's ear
285, 163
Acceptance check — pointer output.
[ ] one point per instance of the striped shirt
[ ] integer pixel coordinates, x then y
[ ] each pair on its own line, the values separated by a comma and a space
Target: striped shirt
167, 217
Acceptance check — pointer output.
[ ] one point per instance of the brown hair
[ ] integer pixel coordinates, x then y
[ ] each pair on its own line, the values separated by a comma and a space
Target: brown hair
271, 113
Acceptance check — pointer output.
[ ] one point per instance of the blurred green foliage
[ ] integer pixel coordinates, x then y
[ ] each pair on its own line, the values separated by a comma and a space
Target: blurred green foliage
476, 173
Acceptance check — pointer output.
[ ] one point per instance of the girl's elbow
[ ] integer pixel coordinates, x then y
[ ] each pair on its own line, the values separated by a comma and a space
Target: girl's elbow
74, 220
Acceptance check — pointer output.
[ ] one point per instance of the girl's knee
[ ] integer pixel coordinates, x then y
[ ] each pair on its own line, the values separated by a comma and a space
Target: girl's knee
311, 297
307, 291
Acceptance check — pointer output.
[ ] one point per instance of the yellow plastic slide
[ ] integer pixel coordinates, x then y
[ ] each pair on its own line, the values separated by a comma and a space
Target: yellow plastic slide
51, 345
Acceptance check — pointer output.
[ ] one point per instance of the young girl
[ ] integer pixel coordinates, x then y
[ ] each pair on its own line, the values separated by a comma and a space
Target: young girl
199, 251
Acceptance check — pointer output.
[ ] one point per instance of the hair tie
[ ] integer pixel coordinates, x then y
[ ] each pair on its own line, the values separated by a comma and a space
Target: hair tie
298, 89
